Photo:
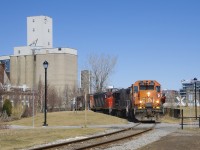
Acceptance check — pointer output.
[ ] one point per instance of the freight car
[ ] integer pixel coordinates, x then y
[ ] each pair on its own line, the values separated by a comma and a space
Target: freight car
122, 101
103, 101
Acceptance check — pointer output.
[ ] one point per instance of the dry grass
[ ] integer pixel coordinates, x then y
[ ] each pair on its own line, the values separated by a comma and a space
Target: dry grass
187, 112
17, 139
23, 138
190, 111
168, 119
69, 118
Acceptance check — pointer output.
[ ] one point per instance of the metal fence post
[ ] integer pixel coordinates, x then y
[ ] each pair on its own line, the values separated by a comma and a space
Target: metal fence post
182, 120
199, 121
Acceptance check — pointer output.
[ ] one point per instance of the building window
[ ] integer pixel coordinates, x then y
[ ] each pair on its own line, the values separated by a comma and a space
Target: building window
33, 29
33, 20
45, 20
59, 49
18, 51
48, 30
48, 43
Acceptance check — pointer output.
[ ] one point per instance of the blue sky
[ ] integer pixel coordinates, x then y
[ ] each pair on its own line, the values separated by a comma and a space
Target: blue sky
152, 39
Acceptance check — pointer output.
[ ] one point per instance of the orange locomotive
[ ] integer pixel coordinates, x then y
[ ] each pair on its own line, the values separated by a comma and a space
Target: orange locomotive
147, 100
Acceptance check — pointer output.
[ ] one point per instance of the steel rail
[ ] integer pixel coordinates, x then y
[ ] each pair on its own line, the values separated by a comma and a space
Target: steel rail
114, 140
82, 140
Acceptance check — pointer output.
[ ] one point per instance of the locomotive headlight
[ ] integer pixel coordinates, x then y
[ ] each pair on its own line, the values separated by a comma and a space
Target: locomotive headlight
148, 94
157, 101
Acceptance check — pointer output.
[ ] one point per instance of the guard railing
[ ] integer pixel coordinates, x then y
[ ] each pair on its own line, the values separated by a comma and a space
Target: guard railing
182, 118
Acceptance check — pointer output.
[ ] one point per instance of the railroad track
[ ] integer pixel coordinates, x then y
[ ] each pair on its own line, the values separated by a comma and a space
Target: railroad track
99, 140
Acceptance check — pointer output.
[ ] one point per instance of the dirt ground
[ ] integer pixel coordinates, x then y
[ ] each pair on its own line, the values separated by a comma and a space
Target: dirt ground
179, 140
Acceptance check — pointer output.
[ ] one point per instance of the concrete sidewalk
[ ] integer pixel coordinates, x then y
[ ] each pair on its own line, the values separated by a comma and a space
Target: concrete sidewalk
112, 126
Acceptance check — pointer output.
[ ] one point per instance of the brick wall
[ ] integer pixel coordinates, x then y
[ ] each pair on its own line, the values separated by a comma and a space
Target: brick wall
2, 69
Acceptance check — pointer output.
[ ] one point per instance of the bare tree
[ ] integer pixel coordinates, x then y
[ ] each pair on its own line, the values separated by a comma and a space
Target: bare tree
69, 94
19, 103
101, 67
1, 95
1, 89
85, 86
59, 101
17, 96
40, 96
74, 92
85, 82
52, 98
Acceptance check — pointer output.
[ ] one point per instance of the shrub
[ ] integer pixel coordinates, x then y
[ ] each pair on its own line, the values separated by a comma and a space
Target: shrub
7, 107
17, 111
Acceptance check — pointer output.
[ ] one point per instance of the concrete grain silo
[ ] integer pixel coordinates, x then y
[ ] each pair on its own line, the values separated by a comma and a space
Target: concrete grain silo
26, 65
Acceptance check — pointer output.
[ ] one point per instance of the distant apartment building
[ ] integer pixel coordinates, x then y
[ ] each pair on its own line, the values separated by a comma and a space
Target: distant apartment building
170, 95
188, 90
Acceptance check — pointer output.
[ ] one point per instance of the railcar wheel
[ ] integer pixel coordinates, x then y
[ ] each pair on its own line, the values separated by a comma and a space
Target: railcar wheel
118, 114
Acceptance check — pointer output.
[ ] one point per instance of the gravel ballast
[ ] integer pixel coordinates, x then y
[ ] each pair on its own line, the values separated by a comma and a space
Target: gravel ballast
161, 130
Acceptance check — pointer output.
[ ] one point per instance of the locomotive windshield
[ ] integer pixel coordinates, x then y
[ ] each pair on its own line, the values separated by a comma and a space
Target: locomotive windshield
158, 88
135, 89
146, 87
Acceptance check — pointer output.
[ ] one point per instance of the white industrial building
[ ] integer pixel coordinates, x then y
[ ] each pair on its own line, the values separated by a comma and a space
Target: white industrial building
40, 31
26, 64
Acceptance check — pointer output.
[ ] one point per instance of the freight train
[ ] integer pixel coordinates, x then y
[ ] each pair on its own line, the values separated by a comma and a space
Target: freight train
143, 100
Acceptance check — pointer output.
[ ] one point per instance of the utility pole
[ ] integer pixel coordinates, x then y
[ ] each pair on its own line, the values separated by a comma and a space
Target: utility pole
195, 95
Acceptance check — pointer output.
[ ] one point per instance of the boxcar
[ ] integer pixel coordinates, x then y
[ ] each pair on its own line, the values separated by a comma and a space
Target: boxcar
122, 99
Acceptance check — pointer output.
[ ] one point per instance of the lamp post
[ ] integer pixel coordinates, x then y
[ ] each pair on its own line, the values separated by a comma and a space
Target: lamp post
199, 96
199, 100
45, 65
195, 96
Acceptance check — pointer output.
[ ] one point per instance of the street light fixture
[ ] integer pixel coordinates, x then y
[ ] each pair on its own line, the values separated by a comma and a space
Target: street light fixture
195, 95
45, 65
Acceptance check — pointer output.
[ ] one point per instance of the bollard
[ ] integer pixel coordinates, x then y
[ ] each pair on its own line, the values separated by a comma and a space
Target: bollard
182, 120
199, 121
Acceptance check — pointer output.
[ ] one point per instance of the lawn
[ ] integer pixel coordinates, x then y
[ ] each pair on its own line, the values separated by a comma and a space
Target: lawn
70, 118
190, 111
24, 138
187, 112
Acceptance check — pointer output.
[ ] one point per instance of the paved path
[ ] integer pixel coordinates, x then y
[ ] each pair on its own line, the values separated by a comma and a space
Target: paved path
179, 140
112, 126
